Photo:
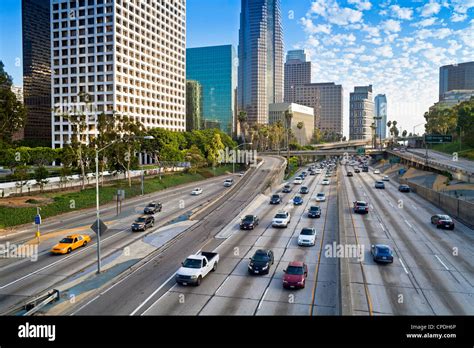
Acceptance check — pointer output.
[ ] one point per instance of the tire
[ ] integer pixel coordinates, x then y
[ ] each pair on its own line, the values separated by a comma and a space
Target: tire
69, 250
214, 268
199, 281
84, 244
438, 227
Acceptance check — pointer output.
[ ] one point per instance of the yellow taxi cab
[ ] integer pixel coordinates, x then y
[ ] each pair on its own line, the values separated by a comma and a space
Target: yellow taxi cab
68, 244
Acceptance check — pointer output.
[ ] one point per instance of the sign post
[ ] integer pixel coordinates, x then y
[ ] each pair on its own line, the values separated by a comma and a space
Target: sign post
38, 223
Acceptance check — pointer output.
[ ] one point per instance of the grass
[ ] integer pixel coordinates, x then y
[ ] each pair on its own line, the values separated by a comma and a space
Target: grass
65, 202
450, 148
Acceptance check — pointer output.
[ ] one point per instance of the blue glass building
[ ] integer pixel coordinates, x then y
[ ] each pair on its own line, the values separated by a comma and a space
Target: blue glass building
215, 68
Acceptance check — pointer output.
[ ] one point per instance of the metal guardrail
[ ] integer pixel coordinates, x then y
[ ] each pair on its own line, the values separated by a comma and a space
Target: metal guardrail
35, 304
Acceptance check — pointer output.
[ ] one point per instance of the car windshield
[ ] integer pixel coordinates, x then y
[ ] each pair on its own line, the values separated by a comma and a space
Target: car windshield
444, 218
66, 240
152, 205
275, 197
383, 250
141, 219
260, 256
192, 263
307, 232
320, 194
315, 209
295, 270
248, 218
361, 204
281, 216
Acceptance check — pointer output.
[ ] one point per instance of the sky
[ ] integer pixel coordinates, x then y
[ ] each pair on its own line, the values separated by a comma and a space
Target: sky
395, 45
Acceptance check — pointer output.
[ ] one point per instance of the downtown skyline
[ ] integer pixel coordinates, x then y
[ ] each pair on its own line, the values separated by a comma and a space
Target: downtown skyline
397, 46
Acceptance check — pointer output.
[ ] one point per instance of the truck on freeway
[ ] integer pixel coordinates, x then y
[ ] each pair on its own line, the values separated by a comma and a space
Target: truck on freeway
196, 267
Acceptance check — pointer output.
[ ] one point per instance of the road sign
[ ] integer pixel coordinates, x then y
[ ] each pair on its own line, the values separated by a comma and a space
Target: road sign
361, 151
394, 159
120, 195
38, 220
438, 139
103, 227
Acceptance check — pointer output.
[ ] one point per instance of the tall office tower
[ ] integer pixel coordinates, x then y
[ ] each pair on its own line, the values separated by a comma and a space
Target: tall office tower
261, 72
380, 115
327, 101
193, 105
297, 72
456, 77
361, 114
118, 57
37, 69
215, 69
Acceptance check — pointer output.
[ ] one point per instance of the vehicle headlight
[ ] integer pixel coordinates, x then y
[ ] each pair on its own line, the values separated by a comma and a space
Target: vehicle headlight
264, 268
194, 277
250, 265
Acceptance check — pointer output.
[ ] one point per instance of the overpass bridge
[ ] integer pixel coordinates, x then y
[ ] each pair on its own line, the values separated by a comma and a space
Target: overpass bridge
329, 152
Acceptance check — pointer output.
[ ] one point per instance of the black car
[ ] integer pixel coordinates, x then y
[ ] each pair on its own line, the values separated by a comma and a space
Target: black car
143, 222
312, 172
286, 189
314, 212
304, 174
361, 207
276, 199
379, 185
357, 170
382, 253
442, 221
249, 222
261, 261
365, 169
350, 174
304, 190
404, 188
153, 208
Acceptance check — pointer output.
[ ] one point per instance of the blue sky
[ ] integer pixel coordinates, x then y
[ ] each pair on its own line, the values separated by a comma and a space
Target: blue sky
396, 45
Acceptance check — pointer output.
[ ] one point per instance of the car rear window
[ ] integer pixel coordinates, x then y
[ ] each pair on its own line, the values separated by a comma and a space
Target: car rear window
280, 216
307, 232
295, 270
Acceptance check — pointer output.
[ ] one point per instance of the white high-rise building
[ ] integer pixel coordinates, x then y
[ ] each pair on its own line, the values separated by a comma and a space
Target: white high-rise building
361, 113
122, 57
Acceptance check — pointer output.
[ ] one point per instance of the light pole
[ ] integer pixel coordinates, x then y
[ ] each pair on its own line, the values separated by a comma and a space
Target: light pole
235, 154
460, 137
97, 151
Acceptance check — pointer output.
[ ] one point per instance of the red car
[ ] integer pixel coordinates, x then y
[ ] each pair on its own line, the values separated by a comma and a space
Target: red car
295, 275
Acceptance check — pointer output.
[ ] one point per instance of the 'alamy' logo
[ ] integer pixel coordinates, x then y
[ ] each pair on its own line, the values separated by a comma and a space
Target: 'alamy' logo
37, 331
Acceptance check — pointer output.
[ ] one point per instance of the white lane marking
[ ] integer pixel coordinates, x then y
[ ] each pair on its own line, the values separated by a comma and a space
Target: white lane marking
383, 228
263, 297
365, 194
85, 305
403, 265
59, 261
409, 225
442, 263
153, 294
414, 207
390, 202
221, 285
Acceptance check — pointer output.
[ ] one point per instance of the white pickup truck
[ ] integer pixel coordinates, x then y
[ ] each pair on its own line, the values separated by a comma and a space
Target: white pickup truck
196, 267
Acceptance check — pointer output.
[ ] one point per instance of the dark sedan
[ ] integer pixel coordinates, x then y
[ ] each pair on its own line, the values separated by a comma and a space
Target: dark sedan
297, 200
276, 199
382, 253
357, 171
286, 189
261, 261
153, 208
350, 174
404, 188
143, 222
442, 221
314, 212
249, 222
304, 190
379, 185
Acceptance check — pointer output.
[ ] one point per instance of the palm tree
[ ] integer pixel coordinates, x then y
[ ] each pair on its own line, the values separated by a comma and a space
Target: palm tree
300, 126
242, 121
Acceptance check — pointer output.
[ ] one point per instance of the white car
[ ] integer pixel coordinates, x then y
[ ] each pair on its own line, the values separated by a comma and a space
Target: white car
376, 171
281, 219
385, 178
320, 197
298, 181
325, 182
307, 237
196, 191
228, 182
319, 171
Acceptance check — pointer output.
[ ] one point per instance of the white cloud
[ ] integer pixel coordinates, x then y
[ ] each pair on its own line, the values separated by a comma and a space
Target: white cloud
311, 28
384, 51
426, 22
365, 58
430, 9
454, 46
373, 31
401, 12
391, 26
333, 13
374, 40
457, 17
362, 5
340, 39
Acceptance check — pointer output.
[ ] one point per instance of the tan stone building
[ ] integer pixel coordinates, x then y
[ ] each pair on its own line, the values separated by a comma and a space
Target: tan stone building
300, 113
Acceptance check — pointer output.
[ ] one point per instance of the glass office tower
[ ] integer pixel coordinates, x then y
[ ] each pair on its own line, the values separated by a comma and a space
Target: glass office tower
215, 68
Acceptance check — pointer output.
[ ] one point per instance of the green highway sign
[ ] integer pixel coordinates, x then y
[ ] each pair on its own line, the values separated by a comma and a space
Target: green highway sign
394, 160
361, 151
438, 139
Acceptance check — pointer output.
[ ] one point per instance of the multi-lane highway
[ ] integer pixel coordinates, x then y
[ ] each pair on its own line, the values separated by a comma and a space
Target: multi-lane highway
431, 273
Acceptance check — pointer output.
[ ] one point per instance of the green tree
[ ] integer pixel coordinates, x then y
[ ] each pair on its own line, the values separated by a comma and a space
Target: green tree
41, 176
21, 176
242, 118
12, 111
213, 149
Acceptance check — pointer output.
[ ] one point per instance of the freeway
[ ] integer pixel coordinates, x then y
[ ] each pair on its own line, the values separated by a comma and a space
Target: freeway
446, 160
133, 293
22, 278
230, 290
432, 270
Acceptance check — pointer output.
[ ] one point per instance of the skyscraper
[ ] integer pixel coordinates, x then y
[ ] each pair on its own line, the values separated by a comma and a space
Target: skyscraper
260, 58
361, 114
193, 105
37, 69
456, 77
118, 58
215, 69
380, 115
297, 72
327, 101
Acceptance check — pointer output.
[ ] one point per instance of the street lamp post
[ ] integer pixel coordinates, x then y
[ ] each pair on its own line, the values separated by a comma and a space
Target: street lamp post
97, 151
234, 159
